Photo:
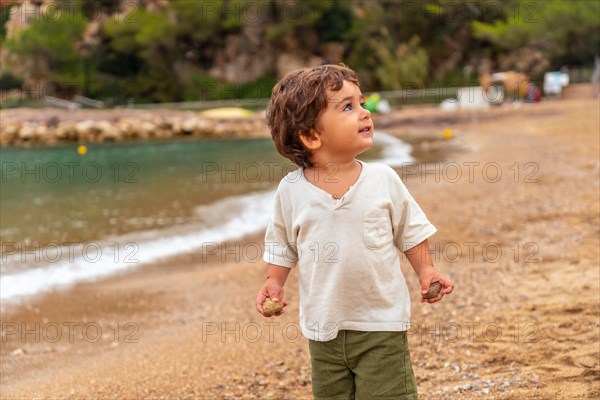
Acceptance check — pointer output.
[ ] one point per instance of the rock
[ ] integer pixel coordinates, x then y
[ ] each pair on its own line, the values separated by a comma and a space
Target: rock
125, 127
272, 307
41, 130
333, 51
163, 133
66, 130
222, 130
174, 126
18, 352
162, 123
205, 127
27, 131
9, 132
147, 128
134, 127
434, 289
108, 132
288, 62
188, 126
52, 122
83, 128
139, 129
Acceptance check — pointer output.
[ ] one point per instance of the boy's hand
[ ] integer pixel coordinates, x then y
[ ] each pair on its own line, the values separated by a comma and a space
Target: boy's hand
272, 290
430, 275
420, 259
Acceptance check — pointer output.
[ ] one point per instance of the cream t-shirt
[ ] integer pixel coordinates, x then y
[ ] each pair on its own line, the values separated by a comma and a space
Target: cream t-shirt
346, 249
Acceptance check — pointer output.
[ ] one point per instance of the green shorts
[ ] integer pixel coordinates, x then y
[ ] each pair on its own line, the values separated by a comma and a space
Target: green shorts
362, 365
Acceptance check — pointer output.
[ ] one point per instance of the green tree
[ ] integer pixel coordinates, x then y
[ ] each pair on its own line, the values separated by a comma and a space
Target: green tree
51, 45
202, 20
202, 26
150, 31
544, 33
148, 44
383, 60
335, 22
330, 18
444, 27
4, 16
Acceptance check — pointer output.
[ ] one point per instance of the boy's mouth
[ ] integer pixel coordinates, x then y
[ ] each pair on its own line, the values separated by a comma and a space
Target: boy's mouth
366, 131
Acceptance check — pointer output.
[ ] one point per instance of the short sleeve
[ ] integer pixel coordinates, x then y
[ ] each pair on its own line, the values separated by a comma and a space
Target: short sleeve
409, 222
280, 245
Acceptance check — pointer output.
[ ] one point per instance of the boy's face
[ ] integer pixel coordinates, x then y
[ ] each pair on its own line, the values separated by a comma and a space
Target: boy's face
345, 128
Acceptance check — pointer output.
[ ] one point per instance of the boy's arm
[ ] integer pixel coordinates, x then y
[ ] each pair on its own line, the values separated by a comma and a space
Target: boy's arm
421, 261
273, 287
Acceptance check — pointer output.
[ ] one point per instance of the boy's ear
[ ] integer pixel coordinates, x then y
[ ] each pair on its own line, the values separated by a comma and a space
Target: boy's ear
311, 140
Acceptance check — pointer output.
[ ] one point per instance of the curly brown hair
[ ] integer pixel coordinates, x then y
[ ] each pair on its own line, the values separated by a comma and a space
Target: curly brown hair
296, 103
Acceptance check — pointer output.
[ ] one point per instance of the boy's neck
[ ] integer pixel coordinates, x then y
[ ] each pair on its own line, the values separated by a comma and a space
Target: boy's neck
341, 167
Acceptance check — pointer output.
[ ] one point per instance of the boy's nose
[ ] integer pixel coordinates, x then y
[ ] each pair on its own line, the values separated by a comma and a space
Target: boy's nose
366, 114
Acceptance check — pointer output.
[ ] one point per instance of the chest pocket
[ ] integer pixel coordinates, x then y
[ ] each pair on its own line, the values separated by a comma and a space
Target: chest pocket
377, 228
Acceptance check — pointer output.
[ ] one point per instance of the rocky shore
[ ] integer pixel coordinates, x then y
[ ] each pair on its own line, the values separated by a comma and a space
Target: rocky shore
22, 127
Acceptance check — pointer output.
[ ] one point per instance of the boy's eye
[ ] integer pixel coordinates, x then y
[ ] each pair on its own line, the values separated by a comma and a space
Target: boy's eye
348, 106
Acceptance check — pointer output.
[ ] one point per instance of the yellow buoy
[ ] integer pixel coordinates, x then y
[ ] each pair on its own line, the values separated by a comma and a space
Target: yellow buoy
82, 150
447, 133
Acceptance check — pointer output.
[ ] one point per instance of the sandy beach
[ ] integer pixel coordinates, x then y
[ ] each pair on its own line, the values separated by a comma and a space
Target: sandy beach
517, 205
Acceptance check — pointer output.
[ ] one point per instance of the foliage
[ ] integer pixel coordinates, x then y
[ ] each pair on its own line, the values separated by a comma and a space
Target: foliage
206, 88
331, 19
335, 22
92, 8
4, 16
405, 64
147, 47
8, 82
383, 61
201, 20
561, 32
166, 54
151, 31
52, 46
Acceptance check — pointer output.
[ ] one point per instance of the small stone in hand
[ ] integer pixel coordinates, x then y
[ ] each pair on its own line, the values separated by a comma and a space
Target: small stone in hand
434, 289
272, 307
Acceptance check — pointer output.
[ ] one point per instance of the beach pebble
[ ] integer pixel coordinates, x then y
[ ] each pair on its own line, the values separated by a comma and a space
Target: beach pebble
434, 289
272, 307
18, 352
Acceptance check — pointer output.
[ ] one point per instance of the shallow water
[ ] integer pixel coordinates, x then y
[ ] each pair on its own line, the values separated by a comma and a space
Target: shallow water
53, 194
66, 217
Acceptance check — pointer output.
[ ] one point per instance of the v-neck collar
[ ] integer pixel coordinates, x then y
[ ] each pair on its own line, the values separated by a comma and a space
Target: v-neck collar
328, 195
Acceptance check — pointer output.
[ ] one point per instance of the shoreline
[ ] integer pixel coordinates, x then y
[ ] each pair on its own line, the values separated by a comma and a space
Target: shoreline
18, 282
190, 346
26, 127
51, 126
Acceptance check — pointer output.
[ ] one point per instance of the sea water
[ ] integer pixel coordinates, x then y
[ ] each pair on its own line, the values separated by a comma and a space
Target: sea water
67, 216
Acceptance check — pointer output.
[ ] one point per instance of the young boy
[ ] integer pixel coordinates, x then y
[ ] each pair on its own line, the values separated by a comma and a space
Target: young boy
342, 220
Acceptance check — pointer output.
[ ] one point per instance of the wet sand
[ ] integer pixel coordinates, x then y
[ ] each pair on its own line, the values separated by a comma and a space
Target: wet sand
516, 204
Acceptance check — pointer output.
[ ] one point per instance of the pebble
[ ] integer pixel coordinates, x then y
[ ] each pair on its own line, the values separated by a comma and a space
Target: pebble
272, 307
18, 352
434, 289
